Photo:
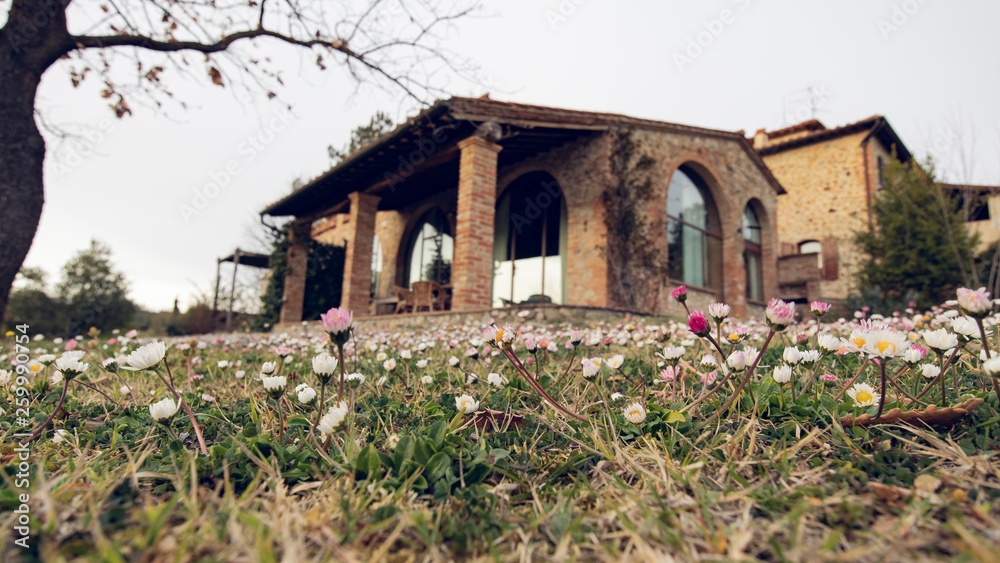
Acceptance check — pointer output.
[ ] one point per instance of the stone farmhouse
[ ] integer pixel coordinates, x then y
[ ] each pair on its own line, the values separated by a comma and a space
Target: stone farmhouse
831, 177
476, 205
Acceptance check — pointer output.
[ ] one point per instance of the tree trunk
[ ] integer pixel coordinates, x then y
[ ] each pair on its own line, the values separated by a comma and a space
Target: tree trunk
34, 37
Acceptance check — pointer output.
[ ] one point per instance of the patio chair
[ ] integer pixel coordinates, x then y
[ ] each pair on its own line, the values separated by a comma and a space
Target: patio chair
442, 296
423, 295
405, 300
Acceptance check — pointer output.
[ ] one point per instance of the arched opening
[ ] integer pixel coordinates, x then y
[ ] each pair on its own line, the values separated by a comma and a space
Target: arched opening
430, 249
752, 255
529, 244
694, 241
376, 266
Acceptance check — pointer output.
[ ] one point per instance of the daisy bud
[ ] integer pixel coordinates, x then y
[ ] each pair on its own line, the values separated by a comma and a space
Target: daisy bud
976, 304
779, 314
819, 308
782, 374
698, 324
680, 294
719, 311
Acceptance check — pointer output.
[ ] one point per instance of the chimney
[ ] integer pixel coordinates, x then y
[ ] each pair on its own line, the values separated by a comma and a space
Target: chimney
760, 139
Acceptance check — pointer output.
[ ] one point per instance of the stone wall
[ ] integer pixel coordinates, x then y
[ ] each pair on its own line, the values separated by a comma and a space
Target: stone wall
582, 170
827, 197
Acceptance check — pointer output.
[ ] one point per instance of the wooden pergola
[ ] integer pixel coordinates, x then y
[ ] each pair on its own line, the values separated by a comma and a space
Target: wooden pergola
238, 258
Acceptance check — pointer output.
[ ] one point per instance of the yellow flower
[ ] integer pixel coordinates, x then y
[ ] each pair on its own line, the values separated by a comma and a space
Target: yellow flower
9, 333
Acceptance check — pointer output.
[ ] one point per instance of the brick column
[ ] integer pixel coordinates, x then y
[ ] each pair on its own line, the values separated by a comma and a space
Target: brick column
295, 280
734, 283
356, 291
472, 272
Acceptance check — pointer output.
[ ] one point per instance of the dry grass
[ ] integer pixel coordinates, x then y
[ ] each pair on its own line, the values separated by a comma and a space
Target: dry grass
752, 486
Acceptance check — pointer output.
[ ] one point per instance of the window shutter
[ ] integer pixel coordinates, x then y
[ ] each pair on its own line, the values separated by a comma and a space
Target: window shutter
831, 258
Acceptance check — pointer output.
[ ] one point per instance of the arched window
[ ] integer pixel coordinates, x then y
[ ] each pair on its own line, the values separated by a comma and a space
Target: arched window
693, 239
810, 246
431, 249
529, 244
752, 254
376, 266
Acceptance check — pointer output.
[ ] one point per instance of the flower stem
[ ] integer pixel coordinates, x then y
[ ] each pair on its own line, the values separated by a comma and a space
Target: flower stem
131, 392
319, 407
96, 389
853, 379
986, 346
51, 416
881, 397
536, 386
187, 409
281, 423
940, 375
746, 378
569, 365
340, 358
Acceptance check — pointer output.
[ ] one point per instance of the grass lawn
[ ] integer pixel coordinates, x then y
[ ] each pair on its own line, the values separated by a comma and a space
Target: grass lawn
651, 464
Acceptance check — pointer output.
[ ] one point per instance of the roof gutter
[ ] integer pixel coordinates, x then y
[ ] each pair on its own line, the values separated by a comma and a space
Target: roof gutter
865, 156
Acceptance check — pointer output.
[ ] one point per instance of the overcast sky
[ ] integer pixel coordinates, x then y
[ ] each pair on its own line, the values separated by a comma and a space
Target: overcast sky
931, 67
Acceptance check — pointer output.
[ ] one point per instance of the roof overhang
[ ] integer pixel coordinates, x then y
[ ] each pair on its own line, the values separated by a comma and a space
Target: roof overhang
875, 126
420, 155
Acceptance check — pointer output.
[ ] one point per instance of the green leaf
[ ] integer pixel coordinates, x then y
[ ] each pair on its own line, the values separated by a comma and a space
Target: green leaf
441, 490
386, 460
367, 463
299, 421
435, 467
423, 451
497, 454
403, 451
476, 474
437, 432
675, 416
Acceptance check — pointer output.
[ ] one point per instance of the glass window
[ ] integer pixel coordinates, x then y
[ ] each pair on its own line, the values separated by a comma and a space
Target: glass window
376, 266
693, 241
752, 254
431, 249
810, 246
529, 252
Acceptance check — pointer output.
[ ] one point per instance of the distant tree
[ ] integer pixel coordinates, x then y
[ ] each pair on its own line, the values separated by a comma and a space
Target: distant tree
917, 243
94, 294
32, 303
362, 135
90, 293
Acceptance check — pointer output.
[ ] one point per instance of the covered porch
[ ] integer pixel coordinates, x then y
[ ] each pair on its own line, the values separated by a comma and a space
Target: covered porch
440, 215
